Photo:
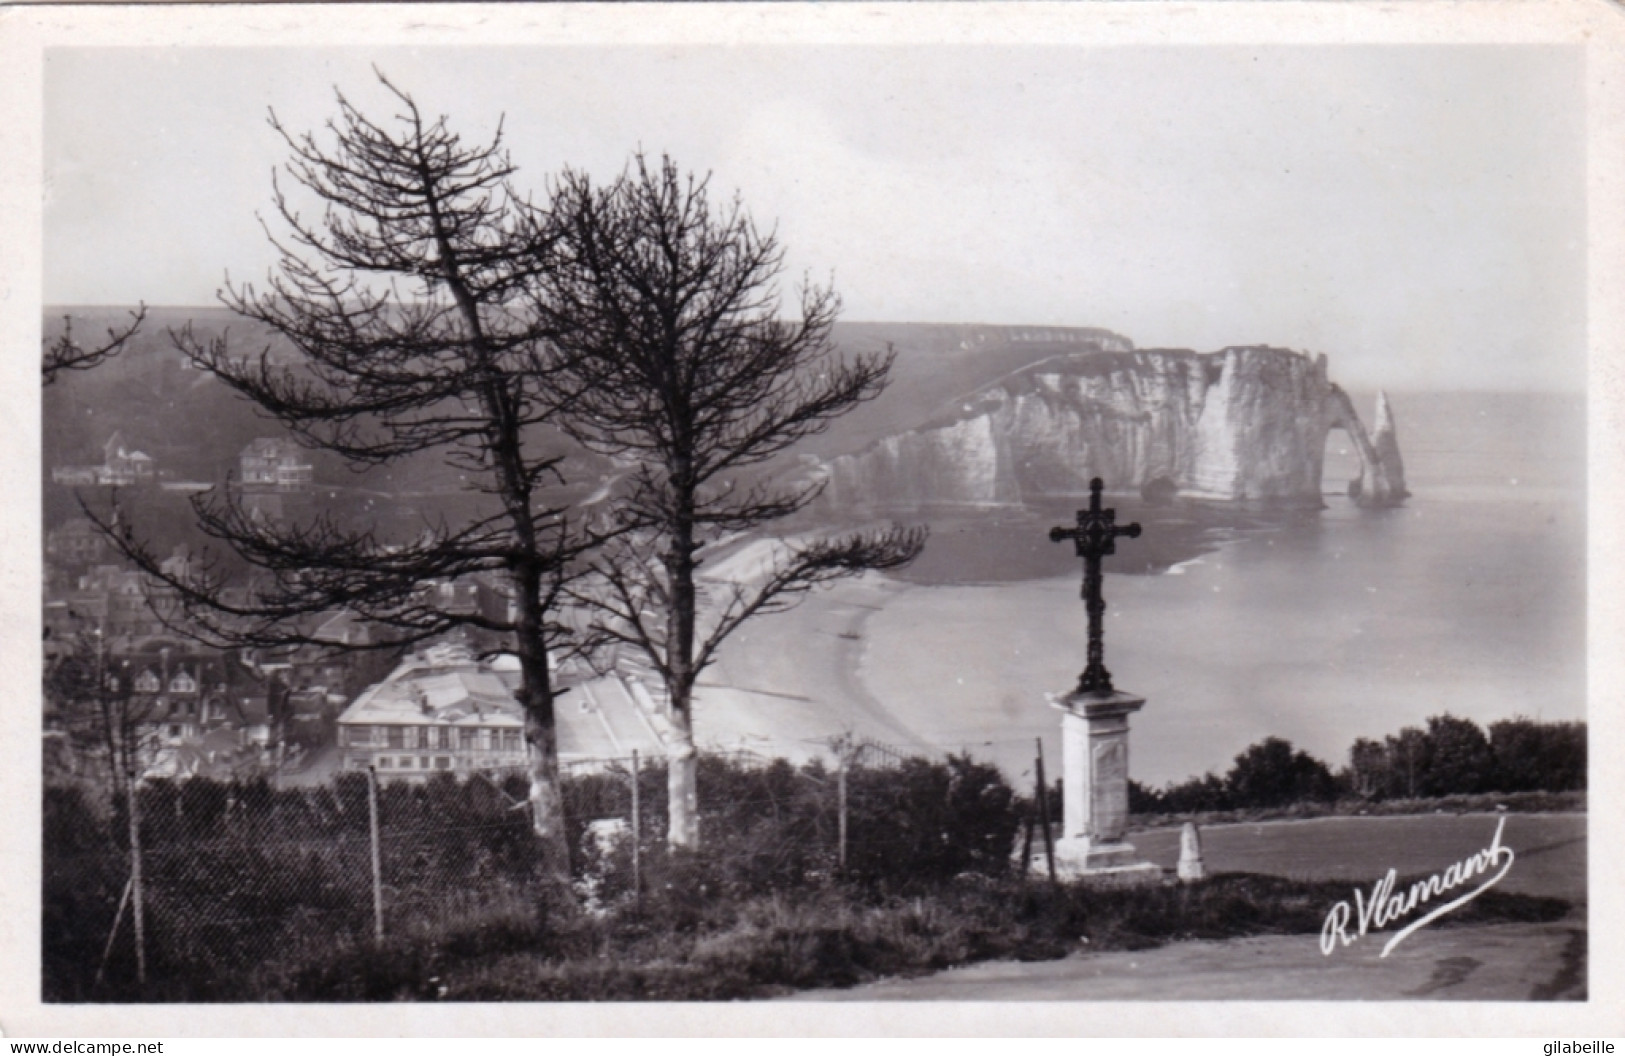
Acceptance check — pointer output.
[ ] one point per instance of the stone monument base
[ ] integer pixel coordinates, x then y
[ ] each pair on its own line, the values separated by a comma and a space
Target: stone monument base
1079, 857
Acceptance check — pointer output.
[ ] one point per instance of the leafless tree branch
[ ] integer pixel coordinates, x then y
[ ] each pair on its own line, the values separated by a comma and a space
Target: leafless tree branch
65, 354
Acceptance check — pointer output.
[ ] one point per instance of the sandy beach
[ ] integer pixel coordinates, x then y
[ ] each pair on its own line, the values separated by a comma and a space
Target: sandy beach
789, 684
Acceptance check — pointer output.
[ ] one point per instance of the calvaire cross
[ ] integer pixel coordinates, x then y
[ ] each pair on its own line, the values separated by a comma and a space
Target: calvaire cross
1096, 537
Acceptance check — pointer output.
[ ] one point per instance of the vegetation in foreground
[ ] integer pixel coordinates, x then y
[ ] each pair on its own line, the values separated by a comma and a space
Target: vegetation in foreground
258, 894
760, 946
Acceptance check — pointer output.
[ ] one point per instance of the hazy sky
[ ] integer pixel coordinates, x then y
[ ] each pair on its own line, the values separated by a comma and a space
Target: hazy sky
1417, 213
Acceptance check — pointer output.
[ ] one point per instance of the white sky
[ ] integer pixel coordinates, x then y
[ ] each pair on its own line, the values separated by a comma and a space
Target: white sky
1418, 213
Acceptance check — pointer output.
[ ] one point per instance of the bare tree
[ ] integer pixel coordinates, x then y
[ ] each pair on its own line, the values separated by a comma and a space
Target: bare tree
90, 698
407, 302
92, 702
668, 315
65, 354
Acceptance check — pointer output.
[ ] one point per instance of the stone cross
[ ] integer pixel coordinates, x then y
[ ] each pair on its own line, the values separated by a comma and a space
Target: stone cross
1096, 537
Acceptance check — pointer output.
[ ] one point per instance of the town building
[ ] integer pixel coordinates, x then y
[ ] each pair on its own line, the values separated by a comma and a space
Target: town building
326, 662
78, 542
324, 674
122, 602
198, 713
440, 711
122, 467
275, 464
444, 711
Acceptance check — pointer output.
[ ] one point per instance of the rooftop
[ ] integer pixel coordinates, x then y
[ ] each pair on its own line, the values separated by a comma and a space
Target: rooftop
443, 685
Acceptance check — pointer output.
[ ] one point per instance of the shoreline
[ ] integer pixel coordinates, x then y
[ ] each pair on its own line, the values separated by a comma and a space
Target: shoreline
789, 683
965, 668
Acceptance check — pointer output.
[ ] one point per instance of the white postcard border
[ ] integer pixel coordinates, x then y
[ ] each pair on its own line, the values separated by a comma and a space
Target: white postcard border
25, 32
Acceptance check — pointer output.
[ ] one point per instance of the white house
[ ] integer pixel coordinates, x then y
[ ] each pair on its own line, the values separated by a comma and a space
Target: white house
440, 710
275, 463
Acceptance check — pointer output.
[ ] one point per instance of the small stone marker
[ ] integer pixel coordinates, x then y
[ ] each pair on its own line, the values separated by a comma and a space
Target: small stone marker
1190, 853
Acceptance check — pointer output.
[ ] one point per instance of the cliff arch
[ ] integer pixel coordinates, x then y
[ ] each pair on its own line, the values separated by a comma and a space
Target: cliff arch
1382, 474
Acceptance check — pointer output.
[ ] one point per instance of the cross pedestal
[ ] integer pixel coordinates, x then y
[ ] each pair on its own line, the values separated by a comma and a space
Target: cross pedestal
1094, 796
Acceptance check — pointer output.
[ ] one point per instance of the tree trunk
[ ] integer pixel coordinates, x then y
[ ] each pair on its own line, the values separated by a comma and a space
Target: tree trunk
682, 779
683, 828
541, 732
541, 728
546, 802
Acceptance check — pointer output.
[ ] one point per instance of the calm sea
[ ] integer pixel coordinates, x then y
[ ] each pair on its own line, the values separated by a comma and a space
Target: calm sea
1318, 626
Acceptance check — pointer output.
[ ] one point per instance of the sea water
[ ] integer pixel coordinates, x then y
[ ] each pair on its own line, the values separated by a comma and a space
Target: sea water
1318, 626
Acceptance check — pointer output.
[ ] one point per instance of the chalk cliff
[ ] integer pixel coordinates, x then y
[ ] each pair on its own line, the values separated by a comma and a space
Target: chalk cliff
1247, 423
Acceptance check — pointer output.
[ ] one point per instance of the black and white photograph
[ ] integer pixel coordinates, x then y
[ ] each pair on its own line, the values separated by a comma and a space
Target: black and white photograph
1093, 506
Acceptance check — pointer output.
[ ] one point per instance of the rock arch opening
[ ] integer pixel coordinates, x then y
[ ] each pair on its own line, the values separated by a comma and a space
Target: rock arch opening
1381, 477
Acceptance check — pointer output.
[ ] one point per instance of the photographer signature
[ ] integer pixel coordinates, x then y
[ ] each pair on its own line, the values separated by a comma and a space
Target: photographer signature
1384, 906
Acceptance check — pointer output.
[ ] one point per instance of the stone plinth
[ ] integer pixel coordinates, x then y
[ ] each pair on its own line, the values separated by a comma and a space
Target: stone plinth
1094, 759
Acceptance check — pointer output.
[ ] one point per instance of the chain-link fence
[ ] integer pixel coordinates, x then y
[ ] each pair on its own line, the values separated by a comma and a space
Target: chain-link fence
249, 878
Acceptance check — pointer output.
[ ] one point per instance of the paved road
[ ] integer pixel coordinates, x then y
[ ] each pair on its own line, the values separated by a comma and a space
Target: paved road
1500, 962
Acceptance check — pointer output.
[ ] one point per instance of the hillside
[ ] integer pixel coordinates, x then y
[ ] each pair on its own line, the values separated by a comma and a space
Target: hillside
193, 426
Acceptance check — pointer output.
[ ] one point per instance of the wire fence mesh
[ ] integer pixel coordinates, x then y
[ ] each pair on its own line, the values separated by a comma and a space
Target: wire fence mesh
246, 876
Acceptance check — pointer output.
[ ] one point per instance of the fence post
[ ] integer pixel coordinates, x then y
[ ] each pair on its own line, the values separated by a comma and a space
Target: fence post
1026, 847
637, 835
840, 808
1043, 812
136, 906
118, 917
377, 872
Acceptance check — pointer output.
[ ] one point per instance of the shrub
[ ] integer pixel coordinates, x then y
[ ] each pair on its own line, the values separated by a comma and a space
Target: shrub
83, 877
930, 821
1531, 756
1271, 774
1458, 758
